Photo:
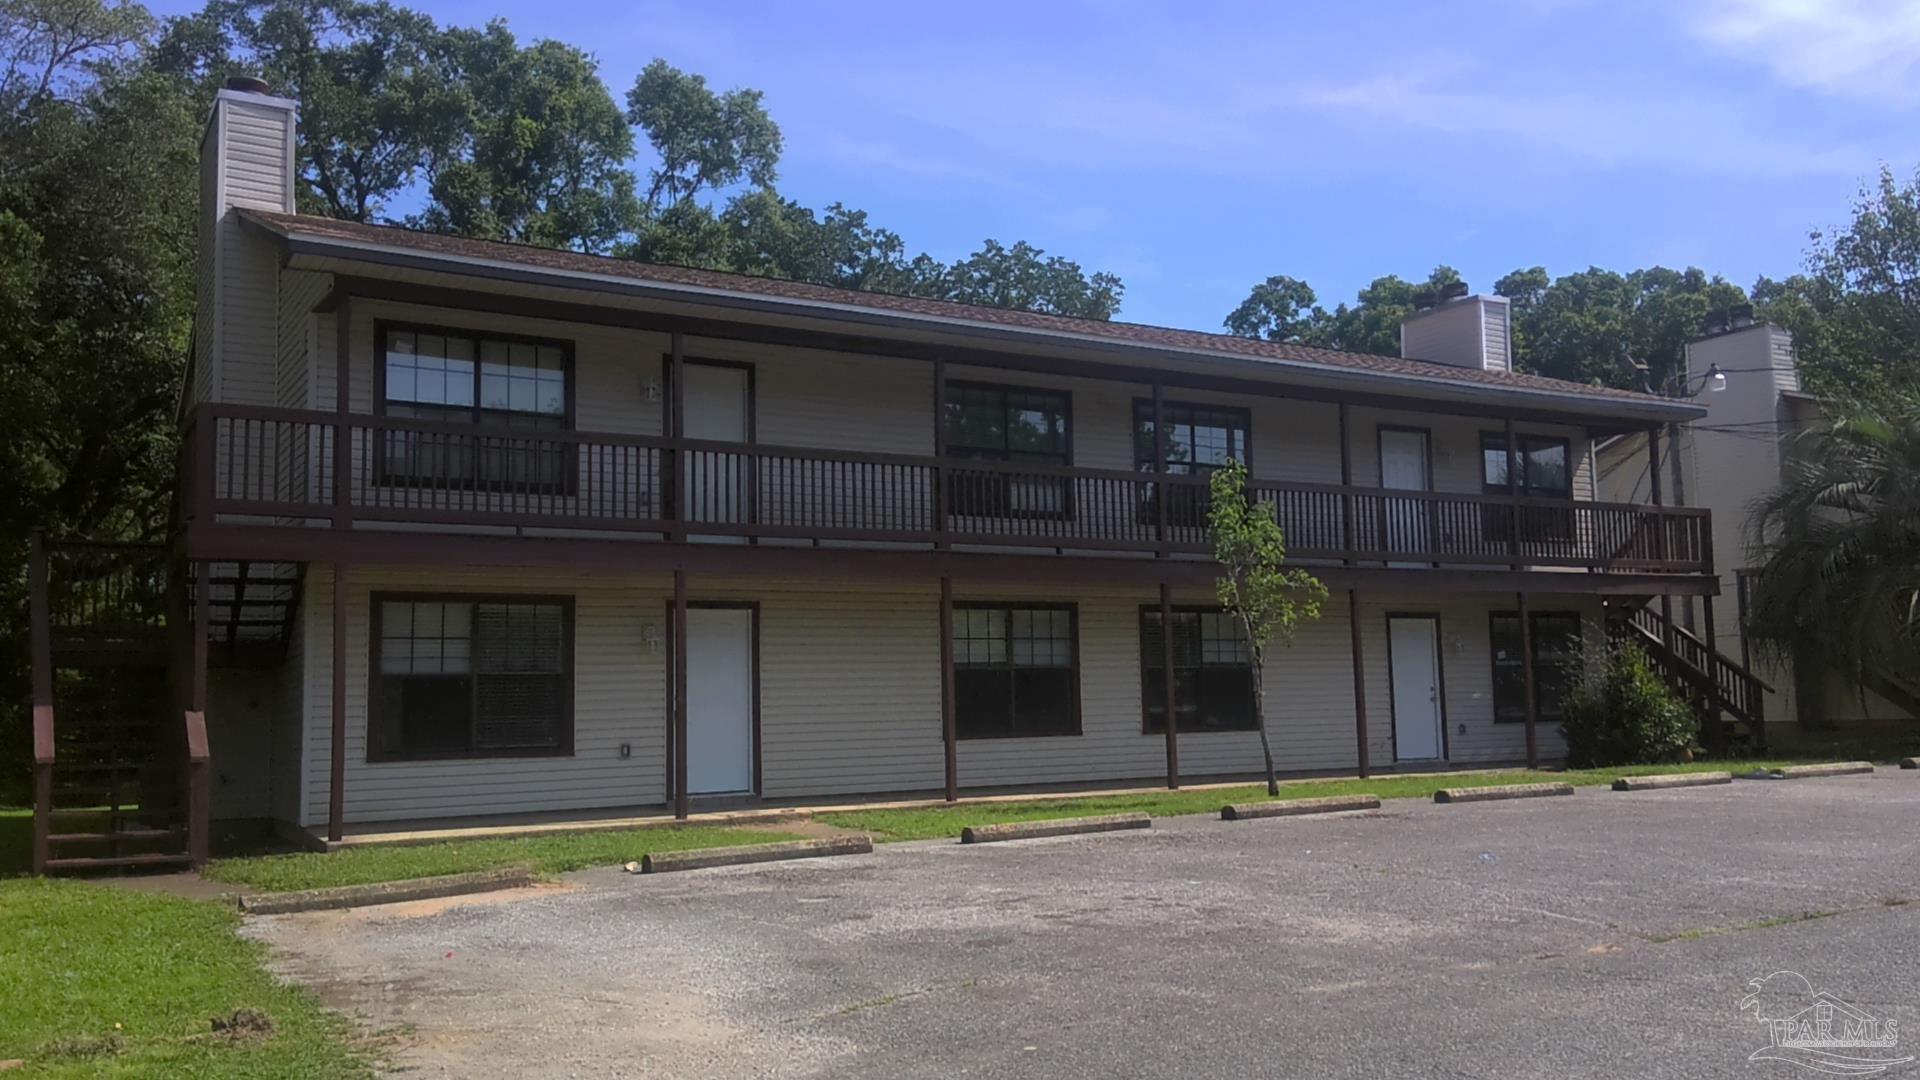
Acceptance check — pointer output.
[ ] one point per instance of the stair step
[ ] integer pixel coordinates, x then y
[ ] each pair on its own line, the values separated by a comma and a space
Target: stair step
175, 833
110, 862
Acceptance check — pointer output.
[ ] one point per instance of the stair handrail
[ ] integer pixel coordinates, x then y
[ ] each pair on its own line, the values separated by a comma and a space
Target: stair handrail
1720, 659
40, 630
199, 795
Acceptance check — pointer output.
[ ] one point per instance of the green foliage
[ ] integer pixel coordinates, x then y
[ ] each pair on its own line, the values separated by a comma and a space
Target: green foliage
1854, 313
1838, 544
1285, 309
542, 159
1267, 597
107, 981
378, 96
1593, 326
1623, 713
705, 140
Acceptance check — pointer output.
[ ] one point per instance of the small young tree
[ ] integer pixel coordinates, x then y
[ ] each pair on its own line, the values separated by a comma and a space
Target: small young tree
1256, 586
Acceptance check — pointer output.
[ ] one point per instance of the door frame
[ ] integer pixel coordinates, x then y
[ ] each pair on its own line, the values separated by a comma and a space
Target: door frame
753, 657
753, 421
1439, 675
1380, 475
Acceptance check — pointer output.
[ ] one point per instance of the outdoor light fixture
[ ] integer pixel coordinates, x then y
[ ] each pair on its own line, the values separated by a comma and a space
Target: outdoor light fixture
1716, 379
650, 637
650, 390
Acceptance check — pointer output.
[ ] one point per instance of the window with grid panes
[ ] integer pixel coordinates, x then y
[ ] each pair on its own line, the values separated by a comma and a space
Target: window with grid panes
471, 678
1015, 425
501, 382
1212, 669
1016, 671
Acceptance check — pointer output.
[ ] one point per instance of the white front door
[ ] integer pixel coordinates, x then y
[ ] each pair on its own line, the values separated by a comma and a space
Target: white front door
1403, 467
719, 701
717, 400
1413, 644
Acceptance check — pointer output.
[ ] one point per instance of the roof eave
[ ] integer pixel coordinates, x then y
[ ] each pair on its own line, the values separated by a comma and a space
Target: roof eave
1652, 410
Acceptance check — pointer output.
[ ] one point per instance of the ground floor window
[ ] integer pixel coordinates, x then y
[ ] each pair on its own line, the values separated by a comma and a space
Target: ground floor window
1556, 664
1212, 671
1016, 671
470, 677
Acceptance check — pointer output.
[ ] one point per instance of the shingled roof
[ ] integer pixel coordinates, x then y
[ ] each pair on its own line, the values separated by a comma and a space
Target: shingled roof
437, 244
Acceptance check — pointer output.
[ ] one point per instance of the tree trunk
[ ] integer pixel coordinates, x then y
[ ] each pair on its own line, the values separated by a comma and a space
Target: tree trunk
1260, 719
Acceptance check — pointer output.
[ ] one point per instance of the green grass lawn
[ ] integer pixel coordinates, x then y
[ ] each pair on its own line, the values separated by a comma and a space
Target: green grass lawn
937, 822
542, 854
102, 981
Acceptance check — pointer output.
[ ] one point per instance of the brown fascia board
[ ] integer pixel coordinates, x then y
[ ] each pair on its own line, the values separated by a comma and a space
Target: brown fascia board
1598, 408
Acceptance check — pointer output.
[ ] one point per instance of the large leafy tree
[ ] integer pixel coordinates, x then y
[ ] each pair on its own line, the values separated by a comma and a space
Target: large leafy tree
96, 281
378, 97
1282, 308
1855, 311
542, 156
1838, 544
705, 141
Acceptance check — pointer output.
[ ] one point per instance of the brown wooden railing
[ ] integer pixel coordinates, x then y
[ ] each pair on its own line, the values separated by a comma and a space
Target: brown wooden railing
279, 466
1685, 657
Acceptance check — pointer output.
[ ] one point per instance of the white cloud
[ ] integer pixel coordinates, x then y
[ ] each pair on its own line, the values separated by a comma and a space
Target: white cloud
1865, 49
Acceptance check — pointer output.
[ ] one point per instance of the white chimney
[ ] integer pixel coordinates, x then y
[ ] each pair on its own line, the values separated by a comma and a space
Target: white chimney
1460, 330
246, 160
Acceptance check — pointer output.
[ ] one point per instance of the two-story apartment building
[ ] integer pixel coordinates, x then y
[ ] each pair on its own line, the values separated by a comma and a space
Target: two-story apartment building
470, 528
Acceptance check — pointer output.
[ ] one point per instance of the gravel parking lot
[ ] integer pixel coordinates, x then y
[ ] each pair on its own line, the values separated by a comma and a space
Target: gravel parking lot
1602, 934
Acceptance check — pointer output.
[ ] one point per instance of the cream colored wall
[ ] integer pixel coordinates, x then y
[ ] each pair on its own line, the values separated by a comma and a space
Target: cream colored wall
850, 704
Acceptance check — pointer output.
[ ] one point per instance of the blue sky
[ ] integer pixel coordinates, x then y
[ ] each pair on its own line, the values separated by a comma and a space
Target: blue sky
1196, 148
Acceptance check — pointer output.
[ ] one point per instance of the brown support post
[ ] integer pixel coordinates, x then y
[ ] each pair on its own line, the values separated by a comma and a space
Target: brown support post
40, 628
1659, 531
1526, 676
337, 752
1160, 470
1346, 482
342, 410
1166, 665
1513, 495
940, 457
680, 693
949, 730
677, 421
1359, 682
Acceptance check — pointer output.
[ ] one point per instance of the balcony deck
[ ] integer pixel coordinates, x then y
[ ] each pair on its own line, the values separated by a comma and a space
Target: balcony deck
279, 467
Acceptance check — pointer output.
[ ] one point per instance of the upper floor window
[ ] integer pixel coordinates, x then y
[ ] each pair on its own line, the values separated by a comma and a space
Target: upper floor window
1546, 469
470, 677
430, 373
1016, 425
1556, 664
1200, 439
1545, 472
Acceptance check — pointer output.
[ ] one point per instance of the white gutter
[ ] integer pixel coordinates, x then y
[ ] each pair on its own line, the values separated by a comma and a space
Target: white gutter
1602, 406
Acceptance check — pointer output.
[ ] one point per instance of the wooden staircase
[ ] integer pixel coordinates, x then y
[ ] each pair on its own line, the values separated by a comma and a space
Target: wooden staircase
119, 750
1730, 699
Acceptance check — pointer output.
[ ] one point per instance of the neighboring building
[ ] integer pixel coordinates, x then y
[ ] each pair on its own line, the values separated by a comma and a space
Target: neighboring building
1726, 462
472, 529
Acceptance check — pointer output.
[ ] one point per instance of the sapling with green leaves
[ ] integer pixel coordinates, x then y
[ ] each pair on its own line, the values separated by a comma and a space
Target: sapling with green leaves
1256, 586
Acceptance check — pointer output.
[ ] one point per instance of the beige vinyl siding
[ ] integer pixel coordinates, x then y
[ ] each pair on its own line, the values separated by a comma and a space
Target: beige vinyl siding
1498, 348
850, 696
290, 722
300, 291
252, 144
617, 699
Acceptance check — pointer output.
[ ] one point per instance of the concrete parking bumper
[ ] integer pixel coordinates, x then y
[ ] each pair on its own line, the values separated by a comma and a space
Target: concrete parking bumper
1294, 807
702, 858
1500, 792
1671, 780
1031, 830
